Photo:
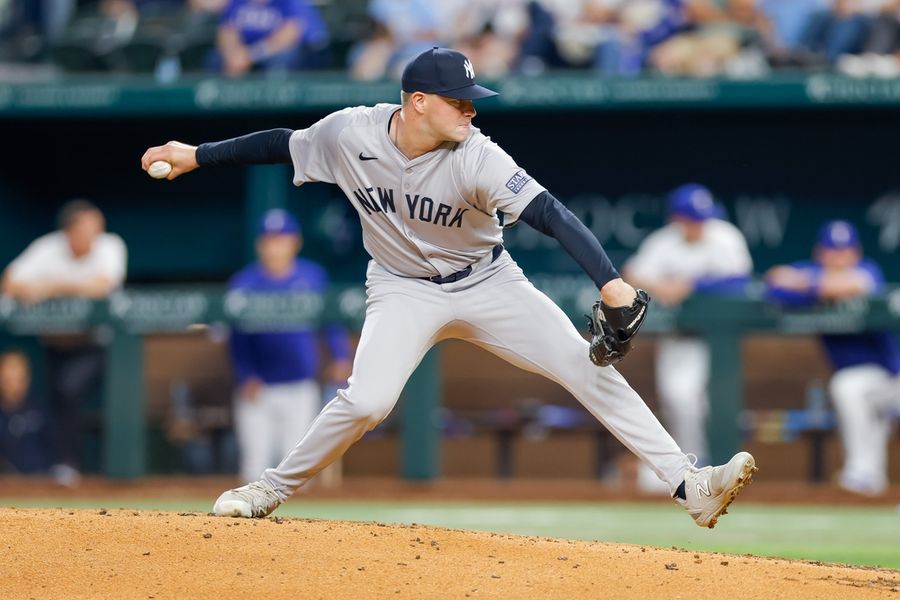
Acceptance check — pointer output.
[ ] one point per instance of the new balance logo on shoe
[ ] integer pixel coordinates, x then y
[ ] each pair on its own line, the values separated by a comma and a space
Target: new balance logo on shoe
703, 488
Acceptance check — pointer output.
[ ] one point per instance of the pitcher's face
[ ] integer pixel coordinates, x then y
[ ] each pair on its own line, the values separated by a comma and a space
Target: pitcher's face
449, 118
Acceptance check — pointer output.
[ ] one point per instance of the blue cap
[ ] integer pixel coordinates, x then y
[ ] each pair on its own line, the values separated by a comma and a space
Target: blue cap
693, 201
838, 235
445, 72
278, 221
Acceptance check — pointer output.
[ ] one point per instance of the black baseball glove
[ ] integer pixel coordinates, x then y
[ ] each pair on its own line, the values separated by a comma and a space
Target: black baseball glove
612, 329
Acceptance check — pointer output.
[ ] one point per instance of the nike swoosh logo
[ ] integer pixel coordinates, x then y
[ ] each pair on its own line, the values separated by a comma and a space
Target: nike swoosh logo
361, 157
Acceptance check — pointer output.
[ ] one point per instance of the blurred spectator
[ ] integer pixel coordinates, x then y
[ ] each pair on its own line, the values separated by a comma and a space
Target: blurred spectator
90, 40
841, 28
785, 40
137, 36
697, 252
864, 364
713, 40
27, 27
80, 259
626, 37
207, 6
489, 32
578, 33
879, 56
120, 7
26, 445
564, 33
623, 43
53, 15
884, 36
271, 36
278, 395
403, 29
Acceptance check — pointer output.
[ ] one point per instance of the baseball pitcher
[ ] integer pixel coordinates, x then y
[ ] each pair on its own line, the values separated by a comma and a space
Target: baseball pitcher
428, 187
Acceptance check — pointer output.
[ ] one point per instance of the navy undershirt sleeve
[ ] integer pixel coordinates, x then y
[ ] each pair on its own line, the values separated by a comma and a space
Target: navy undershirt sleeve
548, 215
259, 148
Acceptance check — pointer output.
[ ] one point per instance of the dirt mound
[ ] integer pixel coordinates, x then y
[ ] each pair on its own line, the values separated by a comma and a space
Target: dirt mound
121, 553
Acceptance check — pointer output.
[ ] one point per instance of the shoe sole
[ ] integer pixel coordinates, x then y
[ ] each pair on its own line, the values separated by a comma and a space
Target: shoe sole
745, 477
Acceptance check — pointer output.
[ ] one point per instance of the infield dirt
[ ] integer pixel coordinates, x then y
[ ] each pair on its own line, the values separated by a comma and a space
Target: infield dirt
120, 553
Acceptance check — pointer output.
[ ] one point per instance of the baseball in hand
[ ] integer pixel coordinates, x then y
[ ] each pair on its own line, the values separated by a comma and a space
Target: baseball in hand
159, 169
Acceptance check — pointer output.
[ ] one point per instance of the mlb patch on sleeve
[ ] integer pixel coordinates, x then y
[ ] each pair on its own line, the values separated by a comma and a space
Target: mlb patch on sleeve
517, 182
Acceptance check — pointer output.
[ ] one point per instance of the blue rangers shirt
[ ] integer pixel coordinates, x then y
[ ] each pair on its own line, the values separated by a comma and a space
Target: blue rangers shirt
284, 356
256, 20
846, 350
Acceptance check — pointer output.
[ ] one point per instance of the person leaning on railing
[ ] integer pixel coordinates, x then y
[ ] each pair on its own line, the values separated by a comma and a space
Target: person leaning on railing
81, 259
864, 387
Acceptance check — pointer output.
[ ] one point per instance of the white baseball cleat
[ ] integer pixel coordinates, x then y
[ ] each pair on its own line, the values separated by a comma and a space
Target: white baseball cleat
256, 499
710, 490
864, 485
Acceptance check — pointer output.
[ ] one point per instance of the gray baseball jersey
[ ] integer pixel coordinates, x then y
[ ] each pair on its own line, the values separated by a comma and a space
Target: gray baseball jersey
433, 215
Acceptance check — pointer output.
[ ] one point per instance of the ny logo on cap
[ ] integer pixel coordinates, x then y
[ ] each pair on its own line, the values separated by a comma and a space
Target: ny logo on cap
470, 70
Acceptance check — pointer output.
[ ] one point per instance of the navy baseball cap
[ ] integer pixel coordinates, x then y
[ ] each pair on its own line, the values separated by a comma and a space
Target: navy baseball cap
278, 221
838, 235
693, 201
445, 72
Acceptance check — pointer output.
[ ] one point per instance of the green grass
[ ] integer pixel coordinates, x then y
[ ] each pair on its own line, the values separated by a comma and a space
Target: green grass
853, 535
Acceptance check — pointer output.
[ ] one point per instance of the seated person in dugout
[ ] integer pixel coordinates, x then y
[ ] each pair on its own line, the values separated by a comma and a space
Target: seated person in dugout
26, 443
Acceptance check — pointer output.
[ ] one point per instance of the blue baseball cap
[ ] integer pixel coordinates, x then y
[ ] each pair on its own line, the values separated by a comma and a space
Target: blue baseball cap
693, 201
445, 72
838, 235
278, 221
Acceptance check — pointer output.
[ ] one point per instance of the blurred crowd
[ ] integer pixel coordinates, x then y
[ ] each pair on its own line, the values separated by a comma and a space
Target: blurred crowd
374, 38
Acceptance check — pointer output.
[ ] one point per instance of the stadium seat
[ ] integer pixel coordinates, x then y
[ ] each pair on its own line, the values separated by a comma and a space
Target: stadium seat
348, 23
87, 42
195, 40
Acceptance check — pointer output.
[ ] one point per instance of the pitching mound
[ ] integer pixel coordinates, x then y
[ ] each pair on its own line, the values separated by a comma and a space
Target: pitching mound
121, 554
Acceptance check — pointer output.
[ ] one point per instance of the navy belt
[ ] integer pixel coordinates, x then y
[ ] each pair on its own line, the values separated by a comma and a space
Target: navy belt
497, 250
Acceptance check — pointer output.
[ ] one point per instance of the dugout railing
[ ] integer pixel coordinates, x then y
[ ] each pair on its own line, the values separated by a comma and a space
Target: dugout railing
131, 314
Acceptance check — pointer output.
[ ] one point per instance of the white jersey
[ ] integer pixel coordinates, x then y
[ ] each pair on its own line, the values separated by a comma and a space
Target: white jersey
720, 252
682, 363
49, 258
433, 215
